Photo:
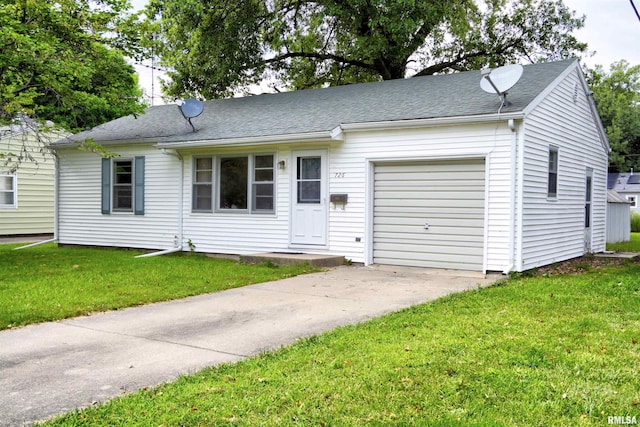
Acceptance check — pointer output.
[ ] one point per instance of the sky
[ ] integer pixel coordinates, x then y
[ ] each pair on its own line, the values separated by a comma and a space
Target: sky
612, 31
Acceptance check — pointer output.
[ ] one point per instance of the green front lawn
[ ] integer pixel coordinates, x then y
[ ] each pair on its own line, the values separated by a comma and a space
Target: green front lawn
561, 350
46, 283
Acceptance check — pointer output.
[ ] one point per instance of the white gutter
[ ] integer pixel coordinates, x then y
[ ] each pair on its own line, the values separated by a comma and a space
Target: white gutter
438, 121
324, 136
512, 197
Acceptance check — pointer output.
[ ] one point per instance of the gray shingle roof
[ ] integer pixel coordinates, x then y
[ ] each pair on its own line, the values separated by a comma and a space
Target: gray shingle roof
319, 110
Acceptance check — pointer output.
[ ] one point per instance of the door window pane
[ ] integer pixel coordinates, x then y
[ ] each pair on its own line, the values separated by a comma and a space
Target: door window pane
309, 175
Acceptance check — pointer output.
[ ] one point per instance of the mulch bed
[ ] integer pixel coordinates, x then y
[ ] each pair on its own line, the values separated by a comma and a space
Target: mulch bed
582, 264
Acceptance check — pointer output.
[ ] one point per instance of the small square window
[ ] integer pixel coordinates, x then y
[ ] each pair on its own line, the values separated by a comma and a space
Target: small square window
633, 200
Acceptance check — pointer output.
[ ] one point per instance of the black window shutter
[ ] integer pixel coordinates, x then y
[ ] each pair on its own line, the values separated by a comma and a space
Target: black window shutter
139, 186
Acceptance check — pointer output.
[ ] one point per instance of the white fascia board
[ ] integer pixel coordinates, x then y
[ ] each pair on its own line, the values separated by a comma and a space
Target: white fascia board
324, 136
420, 123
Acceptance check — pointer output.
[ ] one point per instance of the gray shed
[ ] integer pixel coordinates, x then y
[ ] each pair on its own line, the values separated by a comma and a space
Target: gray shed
618, 218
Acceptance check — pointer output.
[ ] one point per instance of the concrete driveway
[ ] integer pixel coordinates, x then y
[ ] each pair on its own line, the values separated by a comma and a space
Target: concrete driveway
52, 368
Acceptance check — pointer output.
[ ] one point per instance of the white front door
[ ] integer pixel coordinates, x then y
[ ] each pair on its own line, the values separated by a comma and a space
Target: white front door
309, 201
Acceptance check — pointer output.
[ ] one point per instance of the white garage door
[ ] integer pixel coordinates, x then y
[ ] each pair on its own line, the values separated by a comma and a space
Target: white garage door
430, 214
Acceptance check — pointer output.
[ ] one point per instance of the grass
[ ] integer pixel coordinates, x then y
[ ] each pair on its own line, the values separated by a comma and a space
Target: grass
535, 351
632, 245
635, 222
47, 283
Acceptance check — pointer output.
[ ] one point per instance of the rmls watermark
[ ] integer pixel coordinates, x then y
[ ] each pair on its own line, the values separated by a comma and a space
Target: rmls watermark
622, 420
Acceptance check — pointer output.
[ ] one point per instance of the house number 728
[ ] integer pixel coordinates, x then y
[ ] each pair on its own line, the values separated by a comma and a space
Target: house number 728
340, 174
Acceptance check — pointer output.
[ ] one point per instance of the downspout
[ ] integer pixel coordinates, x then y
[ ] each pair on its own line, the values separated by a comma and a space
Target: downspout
512, 197
179, 243
56, 196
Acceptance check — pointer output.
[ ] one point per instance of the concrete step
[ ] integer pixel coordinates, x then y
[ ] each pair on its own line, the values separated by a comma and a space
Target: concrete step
283, 258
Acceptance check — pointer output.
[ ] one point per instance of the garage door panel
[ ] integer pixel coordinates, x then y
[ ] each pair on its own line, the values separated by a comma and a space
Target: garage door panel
427, 195
451, 204
447, 195
442, 257
436, 239
410, 225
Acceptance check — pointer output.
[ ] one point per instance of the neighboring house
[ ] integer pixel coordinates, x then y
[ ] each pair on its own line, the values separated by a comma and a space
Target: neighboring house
423, 172
628, 186
618, 218
26, 192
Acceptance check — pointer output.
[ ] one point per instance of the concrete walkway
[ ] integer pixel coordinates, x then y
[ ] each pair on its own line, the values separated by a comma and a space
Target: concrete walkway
52, 368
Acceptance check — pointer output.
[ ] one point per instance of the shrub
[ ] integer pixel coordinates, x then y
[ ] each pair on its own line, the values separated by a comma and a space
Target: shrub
635, 222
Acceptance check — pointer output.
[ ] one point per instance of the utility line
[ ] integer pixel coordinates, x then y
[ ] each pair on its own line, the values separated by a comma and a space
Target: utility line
635, 9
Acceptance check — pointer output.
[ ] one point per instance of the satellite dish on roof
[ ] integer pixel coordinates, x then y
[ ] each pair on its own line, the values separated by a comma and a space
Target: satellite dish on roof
191, 108
500, 80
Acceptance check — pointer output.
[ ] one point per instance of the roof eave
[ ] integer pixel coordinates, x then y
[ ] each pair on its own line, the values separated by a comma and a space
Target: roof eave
431, 122
307, 137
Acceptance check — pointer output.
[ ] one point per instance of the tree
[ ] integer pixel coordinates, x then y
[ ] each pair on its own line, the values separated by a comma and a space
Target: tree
61, 60
617, 96
216, 48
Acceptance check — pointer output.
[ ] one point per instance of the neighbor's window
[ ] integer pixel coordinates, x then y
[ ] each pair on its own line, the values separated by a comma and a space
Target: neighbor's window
123, 185
633, 200
203, 184
8, 191
552, 188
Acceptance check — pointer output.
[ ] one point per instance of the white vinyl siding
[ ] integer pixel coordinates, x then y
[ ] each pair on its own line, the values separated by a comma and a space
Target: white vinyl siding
80, 217
349, 162
553, 229
226, 231
33, 198
430, 214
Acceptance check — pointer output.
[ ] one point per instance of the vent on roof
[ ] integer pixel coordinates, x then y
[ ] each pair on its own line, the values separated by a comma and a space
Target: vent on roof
634, 179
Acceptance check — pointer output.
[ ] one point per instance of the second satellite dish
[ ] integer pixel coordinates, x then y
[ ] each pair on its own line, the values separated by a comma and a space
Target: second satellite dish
501, 79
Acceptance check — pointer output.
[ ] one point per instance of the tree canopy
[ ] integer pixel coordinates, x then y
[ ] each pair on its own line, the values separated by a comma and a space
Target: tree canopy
617, 96
62, 60
215, 48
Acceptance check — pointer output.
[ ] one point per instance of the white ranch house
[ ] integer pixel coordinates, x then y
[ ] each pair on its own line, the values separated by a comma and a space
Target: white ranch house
419, 172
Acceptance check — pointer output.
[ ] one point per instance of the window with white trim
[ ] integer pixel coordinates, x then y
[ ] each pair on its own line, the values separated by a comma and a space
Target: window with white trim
243, 184
202, 200
633, 200
122, 185
8, 191
552, 183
